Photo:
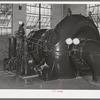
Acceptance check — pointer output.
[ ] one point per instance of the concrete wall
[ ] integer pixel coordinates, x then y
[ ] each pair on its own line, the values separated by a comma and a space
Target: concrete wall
18, 15
65, 7
57, 14
59, 11
78, 9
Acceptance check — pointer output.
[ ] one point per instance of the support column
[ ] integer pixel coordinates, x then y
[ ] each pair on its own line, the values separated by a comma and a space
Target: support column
19, 14
56, 14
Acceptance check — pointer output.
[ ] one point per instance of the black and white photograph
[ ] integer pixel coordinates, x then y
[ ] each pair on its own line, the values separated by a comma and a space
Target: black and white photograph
50, 46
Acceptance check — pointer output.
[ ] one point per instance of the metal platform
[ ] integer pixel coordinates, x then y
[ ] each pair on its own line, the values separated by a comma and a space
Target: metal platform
25, 78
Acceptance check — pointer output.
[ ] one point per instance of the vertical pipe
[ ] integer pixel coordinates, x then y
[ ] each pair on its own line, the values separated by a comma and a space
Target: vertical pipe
39, 16
25, 58
12, 22
97, 20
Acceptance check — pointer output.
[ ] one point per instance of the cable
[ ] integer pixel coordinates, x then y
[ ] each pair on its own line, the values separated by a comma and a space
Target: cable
33, 39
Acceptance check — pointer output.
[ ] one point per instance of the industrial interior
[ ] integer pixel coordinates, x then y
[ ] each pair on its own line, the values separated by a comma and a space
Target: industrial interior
49, 46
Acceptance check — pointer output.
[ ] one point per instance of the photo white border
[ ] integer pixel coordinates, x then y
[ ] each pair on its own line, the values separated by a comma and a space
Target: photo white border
52, 2
50, 93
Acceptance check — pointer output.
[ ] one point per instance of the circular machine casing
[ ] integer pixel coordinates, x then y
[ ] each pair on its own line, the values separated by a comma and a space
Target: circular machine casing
57, 54
90, 52
34, 38
51, 44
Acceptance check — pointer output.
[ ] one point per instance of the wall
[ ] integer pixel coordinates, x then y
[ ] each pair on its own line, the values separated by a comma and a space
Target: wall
18, 15
59, 11
57, 14
78, 9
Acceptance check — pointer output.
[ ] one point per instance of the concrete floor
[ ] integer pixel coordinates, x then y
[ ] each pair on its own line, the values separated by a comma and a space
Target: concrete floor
9, 81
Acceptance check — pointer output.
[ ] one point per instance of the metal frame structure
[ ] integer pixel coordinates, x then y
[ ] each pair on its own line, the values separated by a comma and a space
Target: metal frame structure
5, 19
95, 13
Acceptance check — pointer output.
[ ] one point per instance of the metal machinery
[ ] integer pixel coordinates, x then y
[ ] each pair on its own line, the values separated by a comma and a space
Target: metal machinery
69, 50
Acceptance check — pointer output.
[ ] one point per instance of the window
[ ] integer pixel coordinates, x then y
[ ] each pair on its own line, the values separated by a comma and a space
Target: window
5, 18
33, 16
95, 10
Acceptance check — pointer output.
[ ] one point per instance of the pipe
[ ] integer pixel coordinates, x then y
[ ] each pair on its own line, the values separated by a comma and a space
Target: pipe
12, 47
